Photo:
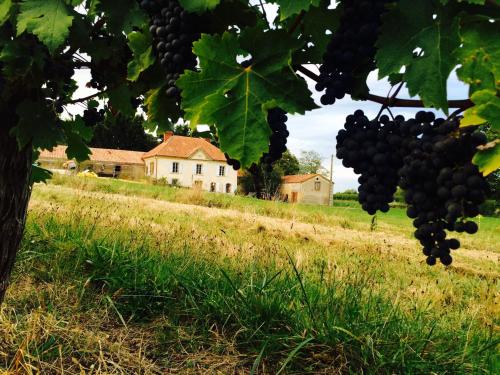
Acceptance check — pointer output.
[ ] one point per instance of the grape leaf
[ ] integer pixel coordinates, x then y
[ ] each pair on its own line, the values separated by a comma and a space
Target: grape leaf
5, 11
123, 15
313, 32
140, 45
39, 174
120, 100
161, 110
479, 2
36, 125
76, 135
488, 158
235, 99
486, 109
49, 20
480, 56
20, 57
291, 7
411, 25
199, 5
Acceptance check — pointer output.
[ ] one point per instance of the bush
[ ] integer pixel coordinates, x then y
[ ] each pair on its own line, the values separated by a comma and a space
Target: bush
490, 208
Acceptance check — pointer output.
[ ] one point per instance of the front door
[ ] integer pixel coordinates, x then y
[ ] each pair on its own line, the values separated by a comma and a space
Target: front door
294, 196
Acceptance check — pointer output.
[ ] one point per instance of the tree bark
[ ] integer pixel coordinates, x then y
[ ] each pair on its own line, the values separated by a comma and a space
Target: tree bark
15, 192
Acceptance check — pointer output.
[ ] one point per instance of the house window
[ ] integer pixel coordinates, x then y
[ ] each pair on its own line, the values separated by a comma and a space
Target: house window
175, 167
175, 182
151, 168
317, 185
212, 187
198, 184
228, 188
222, 170
199, 168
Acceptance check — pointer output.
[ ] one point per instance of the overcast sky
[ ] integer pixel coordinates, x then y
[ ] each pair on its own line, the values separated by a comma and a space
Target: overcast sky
316, 130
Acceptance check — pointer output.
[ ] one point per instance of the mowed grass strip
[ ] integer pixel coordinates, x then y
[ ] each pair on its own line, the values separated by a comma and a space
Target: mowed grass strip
118, 284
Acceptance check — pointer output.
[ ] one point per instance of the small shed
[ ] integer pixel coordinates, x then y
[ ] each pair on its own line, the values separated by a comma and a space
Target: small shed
105, 162
307, 188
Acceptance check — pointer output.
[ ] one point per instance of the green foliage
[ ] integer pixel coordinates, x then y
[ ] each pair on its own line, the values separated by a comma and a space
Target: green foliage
288, 164
291, 7
161, 109
236, 102
112, 38
310, 162
140, 45
199, 5
488, 158
486, 109
412, 25
122, 132
5, 10
49, 20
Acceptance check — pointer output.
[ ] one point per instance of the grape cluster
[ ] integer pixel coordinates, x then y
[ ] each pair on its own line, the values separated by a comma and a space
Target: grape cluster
276, 118
93, 116
430, 159
108, 71
442, 186
371, 148
351, 49
174, 31
59, 73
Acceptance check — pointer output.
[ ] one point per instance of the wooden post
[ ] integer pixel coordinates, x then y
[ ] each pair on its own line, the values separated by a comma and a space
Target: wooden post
330, 202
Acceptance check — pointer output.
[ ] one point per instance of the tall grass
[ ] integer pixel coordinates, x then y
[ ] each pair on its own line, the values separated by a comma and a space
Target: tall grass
280, 307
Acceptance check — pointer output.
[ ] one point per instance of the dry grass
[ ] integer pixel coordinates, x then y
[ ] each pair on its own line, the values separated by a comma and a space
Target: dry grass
53, 323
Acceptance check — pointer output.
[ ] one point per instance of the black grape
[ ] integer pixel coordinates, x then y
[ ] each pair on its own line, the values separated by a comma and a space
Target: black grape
351, 50
371, 149
174, 30
442, 186
431, 161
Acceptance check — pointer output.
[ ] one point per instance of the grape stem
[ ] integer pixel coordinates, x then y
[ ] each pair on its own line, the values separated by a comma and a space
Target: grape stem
392, 102
84, 99
296, 22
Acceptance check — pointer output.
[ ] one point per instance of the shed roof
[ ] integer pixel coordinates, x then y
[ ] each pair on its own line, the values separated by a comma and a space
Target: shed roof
299, 178
183, 147
103, 155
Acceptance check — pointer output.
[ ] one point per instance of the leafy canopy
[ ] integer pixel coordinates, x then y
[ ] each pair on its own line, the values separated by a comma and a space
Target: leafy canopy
421, 43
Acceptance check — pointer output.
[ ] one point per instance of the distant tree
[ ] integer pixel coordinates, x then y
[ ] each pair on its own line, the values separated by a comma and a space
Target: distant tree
288, 164
185, 130
265, 183
310, 162
122, 133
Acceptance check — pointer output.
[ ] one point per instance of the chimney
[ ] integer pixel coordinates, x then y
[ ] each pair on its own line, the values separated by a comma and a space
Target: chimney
167, 135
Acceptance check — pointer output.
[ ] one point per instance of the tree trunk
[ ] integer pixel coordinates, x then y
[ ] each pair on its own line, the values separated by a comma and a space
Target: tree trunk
15, 191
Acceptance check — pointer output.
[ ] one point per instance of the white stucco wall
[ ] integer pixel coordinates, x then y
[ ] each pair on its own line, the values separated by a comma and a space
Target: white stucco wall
187, 176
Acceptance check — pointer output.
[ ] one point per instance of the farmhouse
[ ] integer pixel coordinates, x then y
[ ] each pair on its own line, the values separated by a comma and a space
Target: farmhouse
190, 162
307, 188
105, 162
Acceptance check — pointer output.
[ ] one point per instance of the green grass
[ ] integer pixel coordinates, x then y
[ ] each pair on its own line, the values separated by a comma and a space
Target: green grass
130, 285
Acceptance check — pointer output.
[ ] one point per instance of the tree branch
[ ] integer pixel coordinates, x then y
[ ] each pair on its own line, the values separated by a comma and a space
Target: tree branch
84, 99
392, 102
296, 22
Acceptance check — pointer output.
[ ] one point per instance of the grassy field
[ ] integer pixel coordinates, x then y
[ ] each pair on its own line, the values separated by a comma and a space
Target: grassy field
121, 277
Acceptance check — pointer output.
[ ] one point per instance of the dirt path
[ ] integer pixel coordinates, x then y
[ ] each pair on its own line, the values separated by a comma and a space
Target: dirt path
392, 242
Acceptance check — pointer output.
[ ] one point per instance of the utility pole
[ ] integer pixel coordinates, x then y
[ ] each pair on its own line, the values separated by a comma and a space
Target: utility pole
331, 183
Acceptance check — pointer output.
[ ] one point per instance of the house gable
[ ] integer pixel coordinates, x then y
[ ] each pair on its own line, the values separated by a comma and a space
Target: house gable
199, 154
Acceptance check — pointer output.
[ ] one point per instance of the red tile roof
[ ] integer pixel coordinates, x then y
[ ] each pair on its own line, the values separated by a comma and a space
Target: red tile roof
299, 178
183, 147
102, 155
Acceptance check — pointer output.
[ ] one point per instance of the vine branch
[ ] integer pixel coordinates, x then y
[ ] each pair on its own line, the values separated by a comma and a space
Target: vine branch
84, 99
393, 102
